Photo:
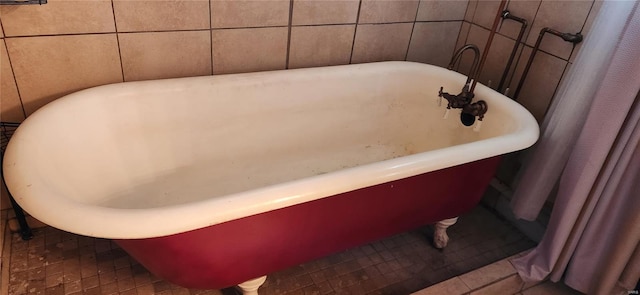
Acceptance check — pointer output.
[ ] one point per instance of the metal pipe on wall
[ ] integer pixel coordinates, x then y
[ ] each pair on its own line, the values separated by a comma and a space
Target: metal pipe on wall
507, 15
496, 21
572, 38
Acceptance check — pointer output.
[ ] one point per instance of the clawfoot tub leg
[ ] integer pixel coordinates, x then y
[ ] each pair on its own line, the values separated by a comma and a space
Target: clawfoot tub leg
440, 237
250, 287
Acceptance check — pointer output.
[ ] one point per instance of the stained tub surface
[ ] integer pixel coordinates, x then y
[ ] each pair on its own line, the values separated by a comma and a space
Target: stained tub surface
116, 161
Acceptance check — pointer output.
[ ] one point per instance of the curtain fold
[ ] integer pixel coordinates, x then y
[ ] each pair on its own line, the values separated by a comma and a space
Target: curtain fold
610, 230
561, 126
593, 236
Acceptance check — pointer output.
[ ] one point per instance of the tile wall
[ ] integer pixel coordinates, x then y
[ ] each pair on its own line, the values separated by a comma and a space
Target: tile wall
549, 67
64, 46
551, 61
51, 50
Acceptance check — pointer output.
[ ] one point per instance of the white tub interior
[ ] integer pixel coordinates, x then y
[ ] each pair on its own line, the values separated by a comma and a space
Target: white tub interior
180, 142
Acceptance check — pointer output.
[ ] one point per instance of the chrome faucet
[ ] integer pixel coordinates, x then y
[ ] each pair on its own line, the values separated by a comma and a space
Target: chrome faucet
463, 100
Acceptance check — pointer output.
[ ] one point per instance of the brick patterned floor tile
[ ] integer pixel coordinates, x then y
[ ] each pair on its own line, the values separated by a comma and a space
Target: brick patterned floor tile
57, 262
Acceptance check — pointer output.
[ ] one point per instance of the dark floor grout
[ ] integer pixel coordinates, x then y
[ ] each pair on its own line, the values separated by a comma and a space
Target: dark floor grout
56, 262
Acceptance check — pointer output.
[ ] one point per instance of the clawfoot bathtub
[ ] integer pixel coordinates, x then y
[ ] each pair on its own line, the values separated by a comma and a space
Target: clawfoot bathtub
215, 181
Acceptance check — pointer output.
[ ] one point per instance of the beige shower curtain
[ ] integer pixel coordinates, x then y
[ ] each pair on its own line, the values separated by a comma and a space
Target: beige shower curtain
592, 239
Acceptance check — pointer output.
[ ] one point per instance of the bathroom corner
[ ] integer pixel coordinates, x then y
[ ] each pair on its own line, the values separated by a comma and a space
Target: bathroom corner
52, 50
537, 89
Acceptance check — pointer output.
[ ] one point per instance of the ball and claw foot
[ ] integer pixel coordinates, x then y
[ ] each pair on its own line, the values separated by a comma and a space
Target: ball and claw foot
440, 237
250, 287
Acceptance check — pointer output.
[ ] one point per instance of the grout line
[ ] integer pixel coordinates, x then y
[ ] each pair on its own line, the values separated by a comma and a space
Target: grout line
2, 27
519, 58
350, 23
406, 53
514, 68
413, 27
323, 25
388, 245
531, 25
441, 21
523, 43
466, 40
222, 28
355, 32
132, 32
115, 25
593, 4
493, 283
471, 4
15, 81
386, 23
584, 24
211, 35
471, 290
240, 28
286, 64
543, 51
5, 260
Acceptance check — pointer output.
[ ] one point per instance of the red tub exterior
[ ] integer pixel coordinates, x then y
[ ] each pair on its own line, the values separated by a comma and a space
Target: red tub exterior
229, 253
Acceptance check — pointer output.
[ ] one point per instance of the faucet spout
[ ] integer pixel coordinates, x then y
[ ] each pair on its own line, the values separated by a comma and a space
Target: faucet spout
466, 95
473, 72
464, 99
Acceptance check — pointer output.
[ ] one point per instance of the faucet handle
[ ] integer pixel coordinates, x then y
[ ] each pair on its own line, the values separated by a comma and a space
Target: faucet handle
473, 110
482, 109
478, 109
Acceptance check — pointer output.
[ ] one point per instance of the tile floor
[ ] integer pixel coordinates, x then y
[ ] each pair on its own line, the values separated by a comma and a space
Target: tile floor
56, 262
497, 278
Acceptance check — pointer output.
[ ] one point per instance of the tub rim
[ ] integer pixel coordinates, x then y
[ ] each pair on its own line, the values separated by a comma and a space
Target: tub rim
89, 220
